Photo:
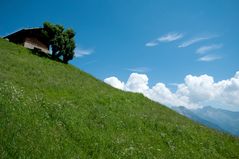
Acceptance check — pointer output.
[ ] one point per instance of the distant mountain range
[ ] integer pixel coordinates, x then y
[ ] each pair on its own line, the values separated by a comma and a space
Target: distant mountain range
219, 119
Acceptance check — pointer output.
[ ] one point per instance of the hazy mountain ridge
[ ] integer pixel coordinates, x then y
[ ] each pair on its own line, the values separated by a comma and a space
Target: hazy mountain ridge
219, 119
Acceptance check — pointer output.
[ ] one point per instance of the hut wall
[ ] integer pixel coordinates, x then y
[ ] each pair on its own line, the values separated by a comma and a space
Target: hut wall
31, 43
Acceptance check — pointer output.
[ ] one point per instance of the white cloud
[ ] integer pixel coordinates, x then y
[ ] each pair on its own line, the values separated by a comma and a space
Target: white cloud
152, 43
89, 62
137, 83
138, 69
114, 82
208, 58
165, 38
170, 37
83, 52
195, 40
205, 49
195, 92
197, 88
203, 90
160, 93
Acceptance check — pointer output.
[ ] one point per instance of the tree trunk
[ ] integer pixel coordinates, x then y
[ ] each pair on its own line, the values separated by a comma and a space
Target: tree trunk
65, 60
53, 54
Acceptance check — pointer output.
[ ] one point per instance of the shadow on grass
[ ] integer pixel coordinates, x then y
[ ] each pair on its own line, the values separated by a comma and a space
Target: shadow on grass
39, 53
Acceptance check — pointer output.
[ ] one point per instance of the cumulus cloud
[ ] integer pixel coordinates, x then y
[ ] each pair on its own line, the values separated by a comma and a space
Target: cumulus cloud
205, 49
165, 38
137, 83
115, 82
195, 40
83, 52
195, 92
208, 58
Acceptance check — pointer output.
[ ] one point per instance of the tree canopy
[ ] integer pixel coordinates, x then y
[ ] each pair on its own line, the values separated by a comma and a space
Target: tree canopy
61, 41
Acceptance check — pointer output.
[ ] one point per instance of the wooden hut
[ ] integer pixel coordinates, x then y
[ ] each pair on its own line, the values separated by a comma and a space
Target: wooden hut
30, 38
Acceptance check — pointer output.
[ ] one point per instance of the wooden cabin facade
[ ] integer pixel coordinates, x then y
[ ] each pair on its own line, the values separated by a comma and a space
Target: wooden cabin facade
30, 38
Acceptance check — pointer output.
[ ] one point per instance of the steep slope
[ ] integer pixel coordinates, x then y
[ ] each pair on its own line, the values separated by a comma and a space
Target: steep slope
53, 110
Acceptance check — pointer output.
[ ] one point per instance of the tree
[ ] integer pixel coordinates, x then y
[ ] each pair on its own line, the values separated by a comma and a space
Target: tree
61, 41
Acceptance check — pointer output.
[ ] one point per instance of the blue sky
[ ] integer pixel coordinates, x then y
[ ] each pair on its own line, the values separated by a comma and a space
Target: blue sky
117, 38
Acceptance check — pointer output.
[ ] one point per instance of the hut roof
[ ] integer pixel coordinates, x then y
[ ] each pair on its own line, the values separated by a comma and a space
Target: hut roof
27, 32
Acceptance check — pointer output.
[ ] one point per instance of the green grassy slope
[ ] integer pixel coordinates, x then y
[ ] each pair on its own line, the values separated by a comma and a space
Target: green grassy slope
53, 110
